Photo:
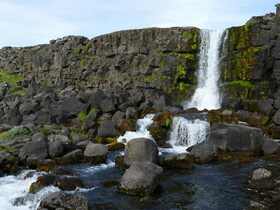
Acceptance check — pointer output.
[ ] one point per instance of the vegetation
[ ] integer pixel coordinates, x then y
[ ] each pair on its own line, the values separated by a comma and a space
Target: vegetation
15, 132
13, 81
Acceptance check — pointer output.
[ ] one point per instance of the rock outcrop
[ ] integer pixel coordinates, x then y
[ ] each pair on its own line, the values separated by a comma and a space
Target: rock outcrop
162, 59
250, 69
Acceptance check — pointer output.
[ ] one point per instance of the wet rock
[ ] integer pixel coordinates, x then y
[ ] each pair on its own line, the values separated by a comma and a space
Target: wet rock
176, 161
270, 147
203, 152
161, 127
261, 173
261, 179
68, 183
73, 157
61, 200
236, 138
8, 162
96, 153
41, 182
141, 150
276, 118
119, 161
115, 146
141, 178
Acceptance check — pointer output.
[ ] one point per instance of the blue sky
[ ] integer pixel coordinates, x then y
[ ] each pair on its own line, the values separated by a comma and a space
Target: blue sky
29, 22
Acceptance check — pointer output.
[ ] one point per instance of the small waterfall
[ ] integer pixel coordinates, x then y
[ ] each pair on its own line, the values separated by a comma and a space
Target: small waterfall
207, 94
14, 192
142, 130
186, 133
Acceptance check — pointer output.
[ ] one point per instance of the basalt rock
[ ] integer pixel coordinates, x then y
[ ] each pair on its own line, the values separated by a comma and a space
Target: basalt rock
96, 153
140, 150
159, 58
141, 178
61, 200
250, 67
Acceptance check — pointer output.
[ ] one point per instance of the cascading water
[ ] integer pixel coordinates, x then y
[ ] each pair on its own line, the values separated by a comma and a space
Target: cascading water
142, 130
207, 94
186, 133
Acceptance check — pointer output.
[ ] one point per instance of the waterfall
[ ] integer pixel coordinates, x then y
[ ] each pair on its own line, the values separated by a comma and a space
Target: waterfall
207, 94
141, 132
188, 132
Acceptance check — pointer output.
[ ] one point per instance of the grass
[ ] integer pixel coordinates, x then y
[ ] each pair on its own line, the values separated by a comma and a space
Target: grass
14, 132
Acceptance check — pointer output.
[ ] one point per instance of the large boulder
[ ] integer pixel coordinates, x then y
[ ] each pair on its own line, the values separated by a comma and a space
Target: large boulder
61, 200
203, 152
236, 138
96, 153
73, 157
68, 183
177, 161
262, 179
270, 147
141, 178
36, 149
56, 149
141, 150
228, 138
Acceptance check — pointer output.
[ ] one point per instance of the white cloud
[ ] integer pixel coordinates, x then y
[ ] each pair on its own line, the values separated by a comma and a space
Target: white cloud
31, 22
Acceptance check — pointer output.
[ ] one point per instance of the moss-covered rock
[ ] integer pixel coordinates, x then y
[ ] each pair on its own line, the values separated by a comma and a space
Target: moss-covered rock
160, 128
15, 132
245, 67
13, 80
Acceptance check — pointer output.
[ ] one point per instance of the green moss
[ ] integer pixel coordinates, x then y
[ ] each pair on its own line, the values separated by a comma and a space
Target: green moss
241, 84
10, 78
240, 89
15, 132
82, 116
13, 80
181, 72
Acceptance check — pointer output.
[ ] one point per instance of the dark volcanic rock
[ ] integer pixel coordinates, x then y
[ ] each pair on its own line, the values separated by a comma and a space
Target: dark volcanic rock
177, 161
96, 153
141, 150
236, 138
141, 178
37, 149
61, 200
73, 157
270, 147
229, 138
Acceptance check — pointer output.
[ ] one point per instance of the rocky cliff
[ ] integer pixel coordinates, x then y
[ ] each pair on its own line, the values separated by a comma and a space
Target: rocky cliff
250, 70
161, 59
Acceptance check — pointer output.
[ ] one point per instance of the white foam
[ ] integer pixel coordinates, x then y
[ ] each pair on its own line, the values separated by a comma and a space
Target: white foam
186, 133
14, 187
142, 130
97, 168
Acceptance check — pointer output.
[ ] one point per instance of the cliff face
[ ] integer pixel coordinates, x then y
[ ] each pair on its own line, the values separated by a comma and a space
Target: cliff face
161, 59
250, 69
